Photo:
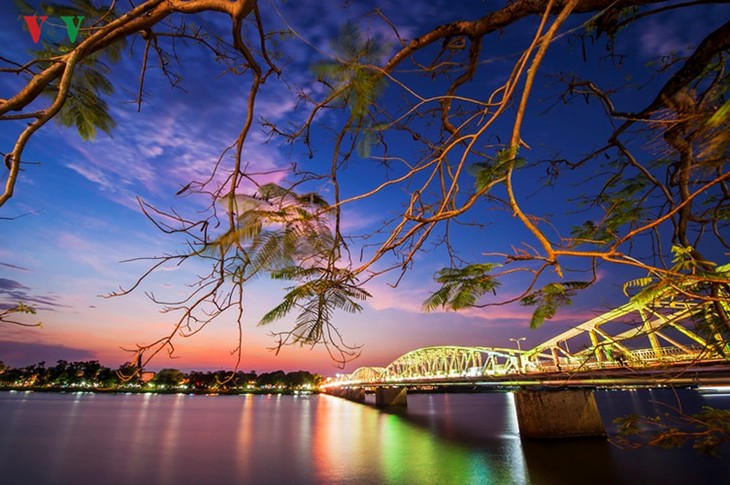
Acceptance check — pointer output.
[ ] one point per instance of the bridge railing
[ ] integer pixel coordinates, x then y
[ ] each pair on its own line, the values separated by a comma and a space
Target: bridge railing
638, 358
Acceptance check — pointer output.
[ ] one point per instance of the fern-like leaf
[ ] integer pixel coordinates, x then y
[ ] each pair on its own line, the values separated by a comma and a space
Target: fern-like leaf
549, 298
462, 287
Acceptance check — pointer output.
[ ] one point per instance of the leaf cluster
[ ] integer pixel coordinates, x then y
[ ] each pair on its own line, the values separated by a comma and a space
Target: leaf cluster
687, 272
690, 276
322, 292
706, 430
623, 207
353, 78
7, 315
491, 172
462, 287
275, 228
287, 236
84, 108
549, 298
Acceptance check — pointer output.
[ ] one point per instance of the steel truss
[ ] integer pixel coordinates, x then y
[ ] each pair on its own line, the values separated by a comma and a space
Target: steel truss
676, 330
637, 334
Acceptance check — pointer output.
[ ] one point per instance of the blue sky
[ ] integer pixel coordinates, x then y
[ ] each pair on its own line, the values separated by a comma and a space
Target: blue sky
78, 216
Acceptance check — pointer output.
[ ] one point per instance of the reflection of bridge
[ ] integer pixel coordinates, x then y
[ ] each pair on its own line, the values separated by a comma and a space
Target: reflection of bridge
666, 341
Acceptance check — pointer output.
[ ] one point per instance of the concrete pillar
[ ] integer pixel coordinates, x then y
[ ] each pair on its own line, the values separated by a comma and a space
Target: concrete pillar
390, 396
335, 391
349, 393
558, 414
355, 394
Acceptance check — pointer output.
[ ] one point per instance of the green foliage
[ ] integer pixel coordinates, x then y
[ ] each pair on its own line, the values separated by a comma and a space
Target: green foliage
287, 235
275, 228
611, 20
351, 72
322, 292
487, 173
622, 204
720, 116
22, 308
92, 375
352, 75
83, 108
86, 8
462, 287
706, 430
716, 129
692, 275
168, 378
549, 298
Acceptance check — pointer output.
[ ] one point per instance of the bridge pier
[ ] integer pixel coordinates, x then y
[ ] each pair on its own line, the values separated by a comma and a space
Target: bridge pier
355, 394
558, 414
390, 397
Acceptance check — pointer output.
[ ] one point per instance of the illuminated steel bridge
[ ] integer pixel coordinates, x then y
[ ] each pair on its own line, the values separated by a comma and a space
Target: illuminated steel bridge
635, 343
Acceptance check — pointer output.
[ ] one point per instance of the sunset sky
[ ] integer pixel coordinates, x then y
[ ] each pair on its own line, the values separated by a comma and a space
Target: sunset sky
75, 217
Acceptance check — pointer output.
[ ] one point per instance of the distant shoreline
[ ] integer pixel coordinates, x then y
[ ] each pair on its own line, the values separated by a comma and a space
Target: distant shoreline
201, 392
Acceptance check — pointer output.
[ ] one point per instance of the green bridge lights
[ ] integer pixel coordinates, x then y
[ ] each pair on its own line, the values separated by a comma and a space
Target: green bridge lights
637, 336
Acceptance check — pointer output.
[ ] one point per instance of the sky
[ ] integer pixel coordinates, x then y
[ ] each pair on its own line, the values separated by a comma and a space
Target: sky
75, 220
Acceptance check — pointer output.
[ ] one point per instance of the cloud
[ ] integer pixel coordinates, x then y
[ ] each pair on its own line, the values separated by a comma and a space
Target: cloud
13, 292
18, 354
7, 285
13, 266
93, 255
660, 39
490, 325
156, 152
180, 135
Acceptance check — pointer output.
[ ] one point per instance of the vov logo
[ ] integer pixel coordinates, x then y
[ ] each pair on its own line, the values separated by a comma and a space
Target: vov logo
35, 27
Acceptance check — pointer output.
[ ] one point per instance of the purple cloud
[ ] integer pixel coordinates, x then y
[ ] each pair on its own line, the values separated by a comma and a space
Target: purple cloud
13, 292
18, 354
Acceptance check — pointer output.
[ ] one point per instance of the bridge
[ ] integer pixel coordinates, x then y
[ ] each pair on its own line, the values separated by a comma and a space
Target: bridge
669, 340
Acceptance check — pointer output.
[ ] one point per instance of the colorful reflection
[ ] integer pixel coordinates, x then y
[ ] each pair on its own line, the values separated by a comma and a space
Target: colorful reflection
438, 439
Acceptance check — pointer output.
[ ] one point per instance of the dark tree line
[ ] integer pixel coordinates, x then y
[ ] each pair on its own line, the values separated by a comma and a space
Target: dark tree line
92, 375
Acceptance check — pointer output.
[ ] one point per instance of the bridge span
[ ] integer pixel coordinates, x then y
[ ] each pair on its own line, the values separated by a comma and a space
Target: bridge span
667, 341
637, 341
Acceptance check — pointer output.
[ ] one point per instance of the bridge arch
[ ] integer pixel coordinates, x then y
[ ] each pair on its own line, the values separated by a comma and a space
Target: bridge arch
670, 323
451, 361
367, 374
639, 333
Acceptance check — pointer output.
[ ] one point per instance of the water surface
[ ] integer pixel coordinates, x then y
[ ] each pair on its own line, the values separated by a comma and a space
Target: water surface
439, 439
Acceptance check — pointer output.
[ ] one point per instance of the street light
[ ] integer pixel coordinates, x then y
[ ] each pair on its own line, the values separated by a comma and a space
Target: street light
519, 349
517, 341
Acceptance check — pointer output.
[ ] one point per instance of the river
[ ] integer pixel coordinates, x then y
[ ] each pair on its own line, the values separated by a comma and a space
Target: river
86, 438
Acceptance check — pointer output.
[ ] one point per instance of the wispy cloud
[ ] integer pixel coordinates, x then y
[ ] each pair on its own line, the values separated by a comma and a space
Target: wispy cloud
660, 39
84, 251
13, 266
155, 154
13, 292
26, 353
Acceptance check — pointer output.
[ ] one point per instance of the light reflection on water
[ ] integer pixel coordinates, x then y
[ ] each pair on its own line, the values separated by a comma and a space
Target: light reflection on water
438, 439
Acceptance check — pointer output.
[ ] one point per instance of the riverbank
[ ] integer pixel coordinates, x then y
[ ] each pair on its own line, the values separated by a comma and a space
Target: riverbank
133, 390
